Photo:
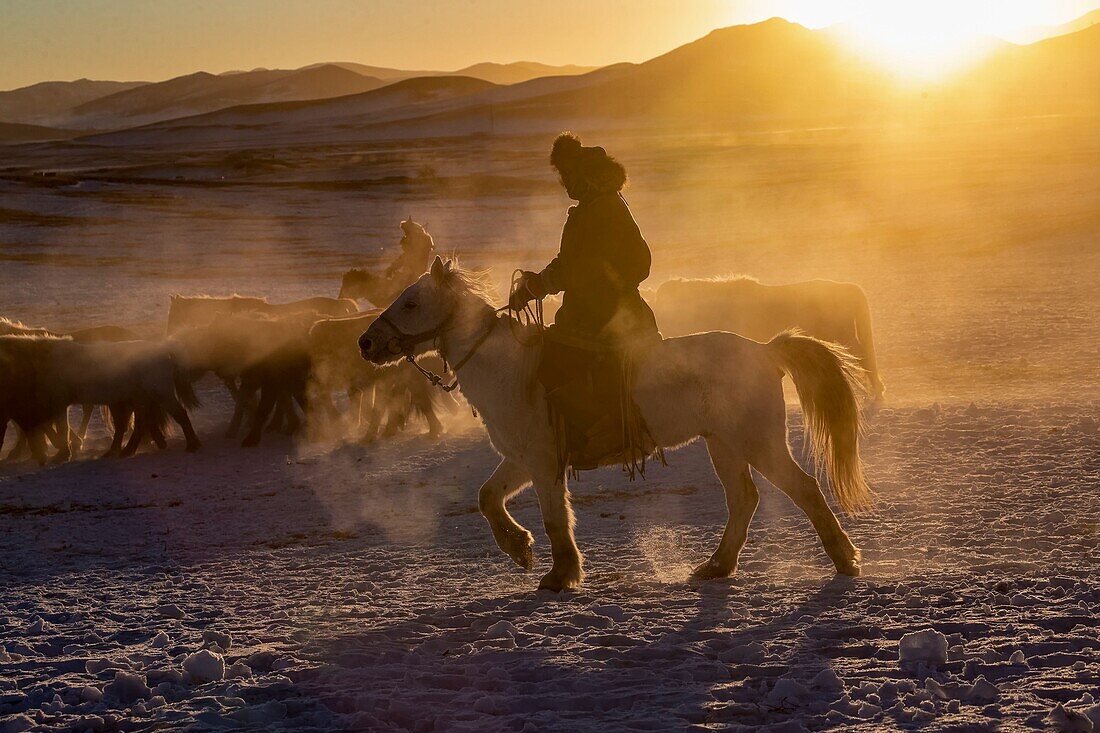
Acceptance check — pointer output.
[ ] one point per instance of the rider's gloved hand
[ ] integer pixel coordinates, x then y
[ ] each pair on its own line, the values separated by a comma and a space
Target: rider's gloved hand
528, 288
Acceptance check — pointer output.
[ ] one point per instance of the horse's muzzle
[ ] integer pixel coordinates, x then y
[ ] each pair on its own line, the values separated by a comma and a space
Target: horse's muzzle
367, 346
380, 350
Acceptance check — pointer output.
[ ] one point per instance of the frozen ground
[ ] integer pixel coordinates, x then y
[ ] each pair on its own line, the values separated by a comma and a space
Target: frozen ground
361, 589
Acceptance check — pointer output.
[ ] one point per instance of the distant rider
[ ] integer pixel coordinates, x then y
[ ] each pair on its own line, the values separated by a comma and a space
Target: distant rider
417, 250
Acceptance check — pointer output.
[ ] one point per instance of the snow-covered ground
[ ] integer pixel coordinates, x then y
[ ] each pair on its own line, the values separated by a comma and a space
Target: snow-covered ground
361, 589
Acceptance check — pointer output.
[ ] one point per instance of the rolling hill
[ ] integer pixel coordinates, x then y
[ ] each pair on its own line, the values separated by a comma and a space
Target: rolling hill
747, 77
203, 92
1058, 75
12, 132
44, 103
323, 119
779, 73
512, 73
1039, 33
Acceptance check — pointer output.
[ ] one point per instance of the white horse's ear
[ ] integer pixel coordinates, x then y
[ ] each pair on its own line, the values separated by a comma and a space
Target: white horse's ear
438, 268
450, 266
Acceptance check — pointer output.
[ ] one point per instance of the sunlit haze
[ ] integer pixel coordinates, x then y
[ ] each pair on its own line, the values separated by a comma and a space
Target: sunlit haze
132, 39
928, 39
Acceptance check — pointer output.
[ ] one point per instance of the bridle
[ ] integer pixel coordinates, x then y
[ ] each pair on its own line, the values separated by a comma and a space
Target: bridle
403, 343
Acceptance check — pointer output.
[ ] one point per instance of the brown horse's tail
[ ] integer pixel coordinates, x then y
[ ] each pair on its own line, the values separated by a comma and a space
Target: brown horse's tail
185, 390
829, 381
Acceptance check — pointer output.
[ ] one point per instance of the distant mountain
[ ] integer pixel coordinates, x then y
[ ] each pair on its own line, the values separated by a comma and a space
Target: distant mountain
204, 92
769, 69
18, 133
777, 73
109, 105
513, 73
1041, 32
519, 71
378, 72
466, 102
1059, 75
762, 76
321, 119
737, 77
43, 103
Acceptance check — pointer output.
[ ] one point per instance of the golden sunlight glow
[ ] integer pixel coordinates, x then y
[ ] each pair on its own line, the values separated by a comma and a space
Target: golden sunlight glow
921, 38
926, 40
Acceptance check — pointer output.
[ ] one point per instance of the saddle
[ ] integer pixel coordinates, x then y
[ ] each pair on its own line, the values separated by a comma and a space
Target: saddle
589, 388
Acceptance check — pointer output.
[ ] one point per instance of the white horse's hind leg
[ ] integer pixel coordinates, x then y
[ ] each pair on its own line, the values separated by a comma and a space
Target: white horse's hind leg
741, 501
516, 542
557, 518
779, 466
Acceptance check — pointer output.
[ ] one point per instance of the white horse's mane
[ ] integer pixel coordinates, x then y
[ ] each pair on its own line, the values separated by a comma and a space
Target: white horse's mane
739, 277
477, 283
23, 337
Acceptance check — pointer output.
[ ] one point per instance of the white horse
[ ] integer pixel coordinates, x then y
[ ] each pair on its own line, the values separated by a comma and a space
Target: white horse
718, 386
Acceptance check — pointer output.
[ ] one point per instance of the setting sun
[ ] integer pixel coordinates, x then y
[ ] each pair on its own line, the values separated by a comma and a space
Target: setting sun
928, 39
924, 41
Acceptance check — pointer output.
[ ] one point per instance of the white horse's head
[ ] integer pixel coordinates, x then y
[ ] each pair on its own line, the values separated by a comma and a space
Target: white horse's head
425, 311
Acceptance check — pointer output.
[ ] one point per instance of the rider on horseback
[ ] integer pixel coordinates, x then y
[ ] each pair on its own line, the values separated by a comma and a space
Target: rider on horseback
603, 319
417, 250
603, 256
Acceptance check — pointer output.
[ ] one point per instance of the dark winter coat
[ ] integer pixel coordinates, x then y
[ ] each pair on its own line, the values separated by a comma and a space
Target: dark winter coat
603, 259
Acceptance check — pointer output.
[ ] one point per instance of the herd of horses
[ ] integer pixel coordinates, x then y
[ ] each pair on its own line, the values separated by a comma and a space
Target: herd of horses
285, 365
297, 366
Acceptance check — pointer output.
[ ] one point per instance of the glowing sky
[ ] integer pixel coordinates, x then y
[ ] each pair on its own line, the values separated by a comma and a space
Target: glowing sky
158, 39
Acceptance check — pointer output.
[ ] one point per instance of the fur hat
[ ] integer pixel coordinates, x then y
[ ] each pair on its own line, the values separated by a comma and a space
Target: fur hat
602, 172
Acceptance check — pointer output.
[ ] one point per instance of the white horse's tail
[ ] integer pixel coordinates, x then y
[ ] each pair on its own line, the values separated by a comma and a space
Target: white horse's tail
829, 381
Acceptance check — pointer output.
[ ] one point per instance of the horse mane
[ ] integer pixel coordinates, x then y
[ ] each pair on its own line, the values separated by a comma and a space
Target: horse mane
738, 277
23, 338
477, 283
8, 327
13, 324
233, 296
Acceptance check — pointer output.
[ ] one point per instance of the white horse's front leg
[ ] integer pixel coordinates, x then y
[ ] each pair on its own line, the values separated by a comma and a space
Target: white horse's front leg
557, 518
516, 542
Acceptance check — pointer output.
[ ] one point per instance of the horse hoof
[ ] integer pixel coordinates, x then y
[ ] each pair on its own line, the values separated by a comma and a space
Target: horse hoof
849, 565
550, 584
559, 581
525, 556
851, 569
193, 447
710, 570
